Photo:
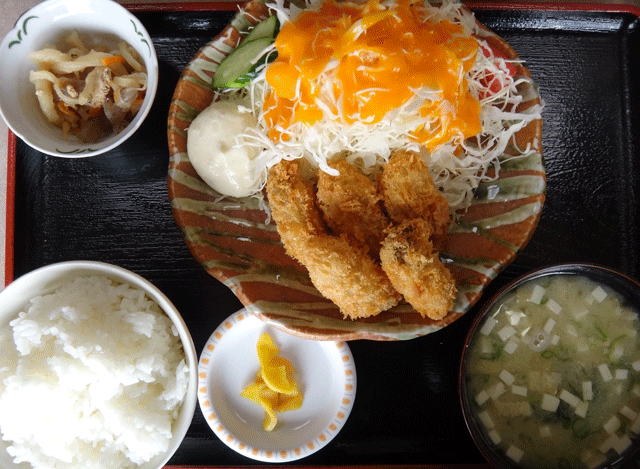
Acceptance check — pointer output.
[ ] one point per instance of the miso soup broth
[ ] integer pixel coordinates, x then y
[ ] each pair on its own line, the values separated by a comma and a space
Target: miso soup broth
553, 374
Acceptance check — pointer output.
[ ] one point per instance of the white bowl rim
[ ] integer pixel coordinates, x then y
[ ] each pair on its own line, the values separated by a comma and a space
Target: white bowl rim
88, 267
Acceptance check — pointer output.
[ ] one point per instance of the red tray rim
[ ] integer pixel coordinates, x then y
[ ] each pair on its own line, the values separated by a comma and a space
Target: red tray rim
233, 6
526, 5
633, 8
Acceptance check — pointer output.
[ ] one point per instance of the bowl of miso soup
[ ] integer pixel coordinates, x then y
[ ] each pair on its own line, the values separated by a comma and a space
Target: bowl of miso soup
550, 371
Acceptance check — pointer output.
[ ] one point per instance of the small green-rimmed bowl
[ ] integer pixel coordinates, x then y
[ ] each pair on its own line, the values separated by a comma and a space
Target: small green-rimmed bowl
48, 23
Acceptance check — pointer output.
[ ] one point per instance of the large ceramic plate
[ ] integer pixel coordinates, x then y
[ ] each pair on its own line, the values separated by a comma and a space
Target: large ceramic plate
233, 242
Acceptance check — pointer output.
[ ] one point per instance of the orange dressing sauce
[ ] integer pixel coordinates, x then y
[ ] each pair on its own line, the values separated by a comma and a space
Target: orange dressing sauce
362, 61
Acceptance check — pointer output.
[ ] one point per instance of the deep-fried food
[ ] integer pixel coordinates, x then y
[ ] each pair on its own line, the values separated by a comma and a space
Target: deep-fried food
409, 253
341, 265
411, 262
292, 202
350, 205
342, 272
348, 276
408, 192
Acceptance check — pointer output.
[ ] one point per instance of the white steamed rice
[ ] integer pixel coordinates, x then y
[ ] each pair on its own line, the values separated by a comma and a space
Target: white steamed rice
96, 379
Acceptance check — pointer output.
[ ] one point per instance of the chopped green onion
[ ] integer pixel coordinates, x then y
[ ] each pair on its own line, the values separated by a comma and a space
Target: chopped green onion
580, 428
602, 334
496, 353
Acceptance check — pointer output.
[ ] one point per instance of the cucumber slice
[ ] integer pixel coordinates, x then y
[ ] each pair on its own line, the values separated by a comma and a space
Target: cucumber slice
239, 62
265, 28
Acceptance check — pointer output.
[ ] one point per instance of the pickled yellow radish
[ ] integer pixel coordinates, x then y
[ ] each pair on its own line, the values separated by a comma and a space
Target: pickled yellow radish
274, 388
286, 403
266, 349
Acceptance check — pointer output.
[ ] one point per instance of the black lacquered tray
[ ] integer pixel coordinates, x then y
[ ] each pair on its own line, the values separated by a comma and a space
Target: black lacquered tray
114, 208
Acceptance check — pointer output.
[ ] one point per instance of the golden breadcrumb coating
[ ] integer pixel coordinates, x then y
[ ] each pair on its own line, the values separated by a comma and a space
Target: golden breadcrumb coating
292, 202
341, 271
408, 192
350, 205
412, 264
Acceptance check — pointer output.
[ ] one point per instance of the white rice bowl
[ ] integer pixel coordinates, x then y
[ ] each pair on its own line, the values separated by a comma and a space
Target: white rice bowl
93, 374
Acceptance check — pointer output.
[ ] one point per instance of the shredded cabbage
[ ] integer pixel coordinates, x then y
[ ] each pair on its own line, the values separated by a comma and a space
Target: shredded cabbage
370, 145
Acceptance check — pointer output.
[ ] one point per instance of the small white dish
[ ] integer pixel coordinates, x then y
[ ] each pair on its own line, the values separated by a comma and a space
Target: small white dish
105, 22
325, 373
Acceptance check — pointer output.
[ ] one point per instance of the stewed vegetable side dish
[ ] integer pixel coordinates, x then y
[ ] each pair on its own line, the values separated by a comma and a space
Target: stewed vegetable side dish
89, 92
553, 374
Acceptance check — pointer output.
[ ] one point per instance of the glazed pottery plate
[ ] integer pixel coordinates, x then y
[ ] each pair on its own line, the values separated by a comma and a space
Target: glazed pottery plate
236, 243
325, 374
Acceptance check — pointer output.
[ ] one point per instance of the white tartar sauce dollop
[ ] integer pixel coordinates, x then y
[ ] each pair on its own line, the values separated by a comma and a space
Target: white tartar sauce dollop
216, 150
